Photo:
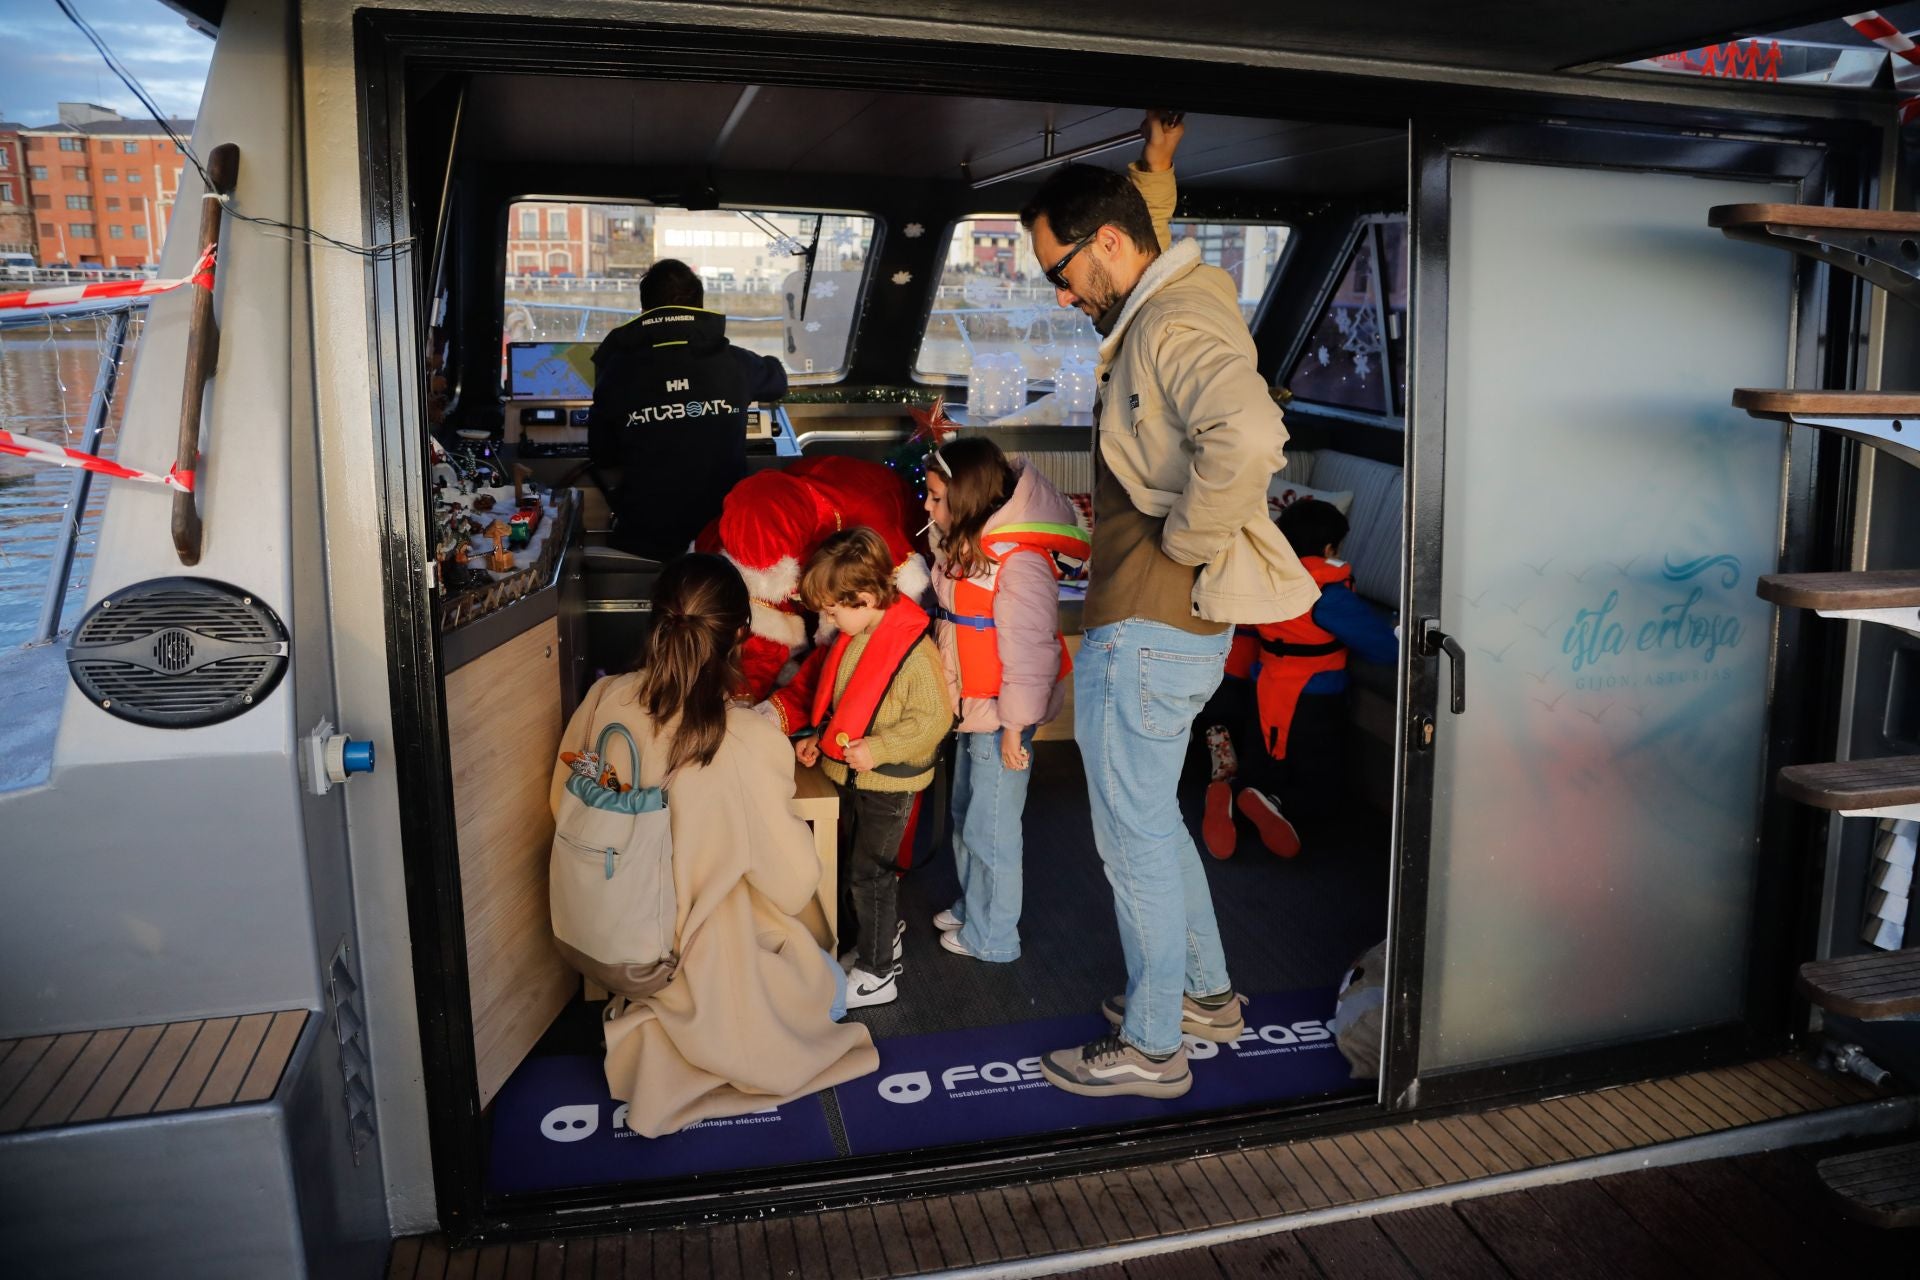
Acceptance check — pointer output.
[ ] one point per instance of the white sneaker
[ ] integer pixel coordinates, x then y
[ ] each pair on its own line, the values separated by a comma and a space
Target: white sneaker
864, 989
947, 922
951, 941
848, 959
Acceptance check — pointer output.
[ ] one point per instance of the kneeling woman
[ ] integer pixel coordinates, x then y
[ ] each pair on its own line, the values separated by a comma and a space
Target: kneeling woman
745, 1023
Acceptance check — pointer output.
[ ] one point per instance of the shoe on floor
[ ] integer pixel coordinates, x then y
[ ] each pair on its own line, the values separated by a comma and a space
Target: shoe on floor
1216, 822
950, 941
848, 959
865, 989
1263, 811
1111, 1068
1223, 1025
947, 922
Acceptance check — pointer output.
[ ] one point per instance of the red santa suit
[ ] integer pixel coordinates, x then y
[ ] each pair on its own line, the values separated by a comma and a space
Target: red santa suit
769, 526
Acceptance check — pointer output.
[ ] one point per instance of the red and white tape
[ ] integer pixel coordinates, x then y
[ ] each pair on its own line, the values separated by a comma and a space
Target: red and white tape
68, 295
59, 456
1889, 37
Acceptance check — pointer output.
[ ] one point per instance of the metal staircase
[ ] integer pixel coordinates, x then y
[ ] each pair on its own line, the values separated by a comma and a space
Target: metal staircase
1881, 1187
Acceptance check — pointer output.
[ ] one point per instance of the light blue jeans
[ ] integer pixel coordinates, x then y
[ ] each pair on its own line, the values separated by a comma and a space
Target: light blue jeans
1137, 687
988, 801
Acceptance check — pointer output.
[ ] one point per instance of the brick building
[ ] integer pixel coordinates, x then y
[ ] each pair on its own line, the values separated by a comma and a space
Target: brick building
16, 210
556, 239
102, 187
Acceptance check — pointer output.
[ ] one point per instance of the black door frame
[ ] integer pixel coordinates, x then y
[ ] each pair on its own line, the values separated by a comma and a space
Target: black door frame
1816, 483
392, 46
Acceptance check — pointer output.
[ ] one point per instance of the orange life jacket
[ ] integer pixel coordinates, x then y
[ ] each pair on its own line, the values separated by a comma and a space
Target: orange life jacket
1295, 651
1065, 547
892, 639
1243, 655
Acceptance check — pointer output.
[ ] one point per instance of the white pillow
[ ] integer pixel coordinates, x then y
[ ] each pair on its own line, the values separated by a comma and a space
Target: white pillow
1282, 494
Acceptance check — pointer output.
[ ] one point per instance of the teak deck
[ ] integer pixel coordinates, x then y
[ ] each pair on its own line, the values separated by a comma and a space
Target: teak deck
1017, 1223
122, 1072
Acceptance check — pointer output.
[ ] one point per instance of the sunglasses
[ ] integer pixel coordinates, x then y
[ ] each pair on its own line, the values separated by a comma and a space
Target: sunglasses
1055, 274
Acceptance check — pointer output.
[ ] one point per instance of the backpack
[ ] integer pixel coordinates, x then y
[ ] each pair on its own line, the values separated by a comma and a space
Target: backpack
1356, 1023
610, 880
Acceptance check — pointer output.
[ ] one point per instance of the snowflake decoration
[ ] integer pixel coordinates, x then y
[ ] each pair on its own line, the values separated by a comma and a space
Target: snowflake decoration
824, 288
902, 277
1362, 365
1324, 356
813, 326
913, 231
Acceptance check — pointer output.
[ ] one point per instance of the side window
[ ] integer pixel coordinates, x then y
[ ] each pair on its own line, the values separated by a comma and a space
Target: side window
753, 266
992, 298
1355, 357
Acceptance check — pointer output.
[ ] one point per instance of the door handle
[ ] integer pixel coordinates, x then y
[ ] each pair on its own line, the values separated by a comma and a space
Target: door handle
1433, 642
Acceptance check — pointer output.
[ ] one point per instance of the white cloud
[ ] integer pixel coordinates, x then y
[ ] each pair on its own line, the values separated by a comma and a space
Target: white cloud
44, 60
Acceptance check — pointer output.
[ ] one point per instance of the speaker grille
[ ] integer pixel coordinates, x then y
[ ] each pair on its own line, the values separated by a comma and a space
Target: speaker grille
178, 653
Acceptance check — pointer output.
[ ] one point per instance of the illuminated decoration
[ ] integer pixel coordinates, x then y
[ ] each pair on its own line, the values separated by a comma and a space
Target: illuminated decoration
931, 429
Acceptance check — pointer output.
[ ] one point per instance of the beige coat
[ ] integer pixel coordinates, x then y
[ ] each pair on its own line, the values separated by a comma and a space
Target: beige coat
1188, 427
744, 1024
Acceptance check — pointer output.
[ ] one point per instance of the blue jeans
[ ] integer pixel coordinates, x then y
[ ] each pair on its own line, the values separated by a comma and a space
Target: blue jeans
988, 801
1137, 687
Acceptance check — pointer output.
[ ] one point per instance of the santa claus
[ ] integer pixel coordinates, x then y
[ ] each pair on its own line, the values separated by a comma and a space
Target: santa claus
771, 522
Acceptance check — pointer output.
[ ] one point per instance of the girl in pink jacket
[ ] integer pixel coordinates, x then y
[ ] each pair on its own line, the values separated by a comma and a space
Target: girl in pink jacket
1002, 537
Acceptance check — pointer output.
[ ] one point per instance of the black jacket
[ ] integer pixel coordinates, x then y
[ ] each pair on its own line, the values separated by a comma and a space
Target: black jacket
670, 398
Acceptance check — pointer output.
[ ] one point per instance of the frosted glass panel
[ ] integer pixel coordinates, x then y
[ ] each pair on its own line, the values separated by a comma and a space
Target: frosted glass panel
1596, 808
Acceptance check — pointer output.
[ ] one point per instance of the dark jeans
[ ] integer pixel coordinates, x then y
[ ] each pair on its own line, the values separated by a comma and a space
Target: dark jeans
871, 824
1313, 779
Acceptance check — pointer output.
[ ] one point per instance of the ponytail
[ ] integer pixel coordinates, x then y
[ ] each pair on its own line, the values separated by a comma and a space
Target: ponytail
690, 666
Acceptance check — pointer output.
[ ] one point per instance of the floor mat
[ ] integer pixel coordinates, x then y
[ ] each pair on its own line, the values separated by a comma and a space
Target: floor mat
985, 1083
555, 1125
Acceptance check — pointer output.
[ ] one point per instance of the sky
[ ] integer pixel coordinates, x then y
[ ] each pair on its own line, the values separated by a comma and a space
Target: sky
44, 60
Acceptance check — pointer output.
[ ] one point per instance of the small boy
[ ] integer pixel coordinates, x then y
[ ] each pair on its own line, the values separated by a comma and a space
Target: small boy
880, 712
1300, 688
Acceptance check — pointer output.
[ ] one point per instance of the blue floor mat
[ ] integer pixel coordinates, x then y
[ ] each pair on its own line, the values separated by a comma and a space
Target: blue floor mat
554, 1125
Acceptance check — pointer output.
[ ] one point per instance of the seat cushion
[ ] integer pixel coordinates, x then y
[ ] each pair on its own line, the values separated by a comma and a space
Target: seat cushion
1373, 540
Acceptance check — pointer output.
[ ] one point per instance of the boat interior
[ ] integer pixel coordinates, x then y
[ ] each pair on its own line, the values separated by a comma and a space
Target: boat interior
1309, 217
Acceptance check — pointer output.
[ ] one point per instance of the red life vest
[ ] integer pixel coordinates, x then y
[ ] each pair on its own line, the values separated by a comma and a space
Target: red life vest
974, 638
889, 643
1243, 655
1295, 651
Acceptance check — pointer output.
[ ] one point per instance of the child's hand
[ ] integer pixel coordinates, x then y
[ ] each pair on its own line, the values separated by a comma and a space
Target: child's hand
807, 750
859, 755
1013, 756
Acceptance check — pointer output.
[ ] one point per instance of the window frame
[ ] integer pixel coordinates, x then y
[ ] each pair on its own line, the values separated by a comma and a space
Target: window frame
922, 378
816, 378
73, 144
1364, 225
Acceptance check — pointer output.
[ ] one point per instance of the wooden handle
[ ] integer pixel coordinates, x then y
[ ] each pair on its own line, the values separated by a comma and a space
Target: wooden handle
203, 355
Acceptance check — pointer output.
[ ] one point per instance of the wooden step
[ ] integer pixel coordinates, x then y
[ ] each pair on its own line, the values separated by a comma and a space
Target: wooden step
1887, 420
1887, 589
1889, 597
1885, 788
1881, 1188
1881, 984
1880, 247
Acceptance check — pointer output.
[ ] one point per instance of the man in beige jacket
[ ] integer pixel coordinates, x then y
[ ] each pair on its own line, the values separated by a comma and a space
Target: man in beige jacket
1186, 439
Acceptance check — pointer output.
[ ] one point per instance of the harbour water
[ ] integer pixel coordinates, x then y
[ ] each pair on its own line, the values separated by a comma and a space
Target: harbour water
47, 377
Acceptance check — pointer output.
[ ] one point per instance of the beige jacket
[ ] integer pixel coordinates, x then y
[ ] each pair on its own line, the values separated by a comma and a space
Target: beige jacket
744, 1024
1187, 426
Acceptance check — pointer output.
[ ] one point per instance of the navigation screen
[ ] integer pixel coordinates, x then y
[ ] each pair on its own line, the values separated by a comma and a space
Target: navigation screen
550, 370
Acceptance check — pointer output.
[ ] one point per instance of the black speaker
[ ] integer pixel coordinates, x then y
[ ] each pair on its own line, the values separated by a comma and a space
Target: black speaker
178, 653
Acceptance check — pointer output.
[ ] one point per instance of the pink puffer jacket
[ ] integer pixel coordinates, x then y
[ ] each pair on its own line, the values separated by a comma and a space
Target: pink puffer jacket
1026, 617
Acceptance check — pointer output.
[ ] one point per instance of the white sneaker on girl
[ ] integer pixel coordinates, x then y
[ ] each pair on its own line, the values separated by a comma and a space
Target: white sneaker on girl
864, 988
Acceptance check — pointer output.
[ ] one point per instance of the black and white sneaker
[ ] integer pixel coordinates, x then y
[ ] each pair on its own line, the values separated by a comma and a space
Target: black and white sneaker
848, 959
864, 989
